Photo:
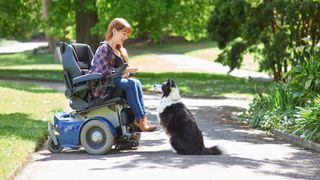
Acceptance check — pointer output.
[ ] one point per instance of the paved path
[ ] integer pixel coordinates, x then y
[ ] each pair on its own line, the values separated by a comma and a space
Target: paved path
14, 46
249, 153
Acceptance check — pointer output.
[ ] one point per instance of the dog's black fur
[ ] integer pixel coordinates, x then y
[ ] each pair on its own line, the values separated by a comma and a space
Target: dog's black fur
179, 123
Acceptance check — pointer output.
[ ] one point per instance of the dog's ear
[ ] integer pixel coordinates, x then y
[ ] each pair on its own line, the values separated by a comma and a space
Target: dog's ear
172, 83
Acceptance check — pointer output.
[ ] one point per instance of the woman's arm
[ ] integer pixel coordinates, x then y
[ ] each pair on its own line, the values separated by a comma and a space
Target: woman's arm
103, 61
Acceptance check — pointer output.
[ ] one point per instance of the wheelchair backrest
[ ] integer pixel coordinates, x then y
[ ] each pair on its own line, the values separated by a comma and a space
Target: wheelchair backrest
76, 60
83, 55
69, 63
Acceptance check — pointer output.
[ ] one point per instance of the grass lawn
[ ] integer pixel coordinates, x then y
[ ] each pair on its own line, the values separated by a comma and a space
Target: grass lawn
204, 84
24, 112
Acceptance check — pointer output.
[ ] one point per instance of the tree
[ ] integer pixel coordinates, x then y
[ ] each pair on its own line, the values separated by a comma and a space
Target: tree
45, 13
86, 18
154, 19
20, 19
273, 29
74, 20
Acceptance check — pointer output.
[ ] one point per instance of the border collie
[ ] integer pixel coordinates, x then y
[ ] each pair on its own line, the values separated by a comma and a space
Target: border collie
179, 123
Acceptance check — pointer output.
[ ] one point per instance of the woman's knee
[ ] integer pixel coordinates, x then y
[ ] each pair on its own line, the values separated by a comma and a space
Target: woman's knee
137, 82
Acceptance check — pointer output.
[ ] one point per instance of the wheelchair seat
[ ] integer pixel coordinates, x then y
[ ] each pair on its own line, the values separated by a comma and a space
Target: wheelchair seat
76, 61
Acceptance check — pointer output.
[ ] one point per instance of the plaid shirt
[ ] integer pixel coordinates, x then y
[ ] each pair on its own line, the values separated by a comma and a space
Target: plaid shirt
104, 61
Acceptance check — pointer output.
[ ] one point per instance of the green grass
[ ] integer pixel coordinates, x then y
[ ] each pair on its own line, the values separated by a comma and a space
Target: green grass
204, 84
24, 112
29, 65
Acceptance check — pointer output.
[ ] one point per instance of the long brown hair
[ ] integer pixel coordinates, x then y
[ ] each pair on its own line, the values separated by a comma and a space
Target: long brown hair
119, 24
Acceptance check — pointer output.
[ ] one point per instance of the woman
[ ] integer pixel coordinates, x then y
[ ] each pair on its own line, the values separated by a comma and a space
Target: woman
108, 58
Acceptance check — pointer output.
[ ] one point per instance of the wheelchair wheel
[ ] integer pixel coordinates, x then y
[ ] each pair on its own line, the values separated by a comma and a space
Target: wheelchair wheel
54, 148
96, 137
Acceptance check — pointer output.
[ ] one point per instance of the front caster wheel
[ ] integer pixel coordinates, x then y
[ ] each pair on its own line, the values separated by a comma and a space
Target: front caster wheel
135, 143
54, 148
96, 137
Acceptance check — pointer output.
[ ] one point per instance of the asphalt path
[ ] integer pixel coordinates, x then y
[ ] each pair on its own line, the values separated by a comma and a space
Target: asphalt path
248, 153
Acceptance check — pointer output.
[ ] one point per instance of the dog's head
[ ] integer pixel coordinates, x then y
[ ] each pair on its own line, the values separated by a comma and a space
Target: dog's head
167, 87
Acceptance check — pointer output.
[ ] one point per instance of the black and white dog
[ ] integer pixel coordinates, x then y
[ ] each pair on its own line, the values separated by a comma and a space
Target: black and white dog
179, 123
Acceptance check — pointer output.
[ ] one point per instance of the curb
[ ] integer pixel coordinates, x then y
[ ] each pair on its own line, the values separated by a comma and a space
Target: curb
296, 140
290, 138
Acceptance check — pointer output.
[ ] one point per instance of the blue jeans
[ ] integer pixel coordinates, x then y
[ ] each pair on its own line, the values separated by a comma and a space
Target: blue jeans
134, 95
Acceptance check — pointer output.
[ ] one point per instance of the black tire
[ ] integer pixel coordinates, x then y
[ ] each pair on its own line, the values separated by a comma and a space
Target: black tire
96, 137
54, 148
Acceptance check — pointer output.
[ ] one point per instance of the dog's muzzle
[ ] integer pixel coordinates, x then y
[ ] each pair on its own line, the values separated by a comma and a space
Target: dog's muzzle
157, 88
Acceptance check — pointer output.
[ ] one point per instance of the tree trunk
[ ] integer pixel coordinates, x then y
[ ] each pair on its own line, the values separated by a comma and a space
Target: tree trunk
85, 20
45, 13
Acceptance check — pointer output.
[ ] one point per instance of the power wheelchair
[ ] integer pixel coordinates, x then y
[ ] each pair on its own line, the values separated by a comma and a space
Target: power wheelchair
97, 124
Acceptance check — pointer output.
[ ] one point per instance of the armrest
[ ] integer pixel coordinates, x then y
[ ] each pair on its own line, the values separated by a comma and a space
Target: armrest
120, 72
86, 77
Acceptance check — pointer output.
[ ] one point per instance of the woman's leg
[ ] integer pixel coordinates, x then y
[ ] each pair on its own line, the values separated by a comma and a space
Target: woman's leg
140, 94
132, 95
135, 99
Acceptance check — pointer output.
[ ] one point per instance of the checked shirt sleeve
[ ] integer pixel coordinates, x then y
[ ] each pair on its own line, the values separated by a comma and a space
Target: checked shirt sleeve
103, 61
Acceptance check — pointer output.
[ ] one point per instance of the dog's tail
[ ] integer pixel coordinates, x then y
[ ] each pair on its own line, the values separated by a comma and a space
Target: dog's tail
214, 150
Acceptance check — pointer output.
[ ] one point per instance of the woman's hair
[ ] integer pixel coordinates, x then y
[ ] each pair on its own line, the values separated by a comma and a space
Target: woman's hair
120, 24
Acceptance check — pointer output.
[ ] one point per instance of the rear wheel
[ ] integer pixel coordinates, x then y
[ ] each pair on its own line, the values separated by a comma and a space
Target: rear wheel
96, 137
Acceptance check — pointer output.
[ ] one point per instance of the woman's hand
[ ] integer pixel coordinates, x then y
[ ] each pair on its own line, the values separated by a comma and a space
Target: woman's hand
129, 71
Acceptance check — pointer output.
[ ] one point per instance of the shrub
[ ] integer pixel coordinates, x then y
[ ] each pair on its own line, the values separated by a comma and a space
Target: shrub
308, 121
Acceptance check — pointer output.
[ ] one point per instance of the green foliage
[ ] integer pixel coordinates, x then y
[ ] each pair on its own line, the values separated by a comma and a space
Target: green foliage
61, 23
305, 79
308, 121
152, 19
234, 53
223, 25
274, 110
293, 106
279, 26
20, 19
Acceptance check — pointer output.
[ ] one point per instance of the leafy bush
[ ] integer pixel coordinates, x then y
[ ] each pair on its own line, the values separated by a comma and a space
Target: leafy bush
308, 121
274, 110
295, 105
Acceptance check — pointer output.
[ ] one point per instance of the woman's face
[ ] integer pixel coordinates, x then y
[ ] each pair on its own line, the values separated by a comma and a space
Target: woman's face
119, 36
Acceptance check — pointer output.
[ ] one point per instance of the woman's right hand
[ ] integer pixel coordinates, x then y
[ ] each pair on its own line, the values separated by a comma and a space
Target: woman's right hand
131, 69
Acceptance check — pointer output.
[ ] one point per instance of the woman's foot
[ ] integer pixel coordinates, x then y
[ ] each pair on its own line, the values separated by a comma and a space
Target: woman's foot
144, 125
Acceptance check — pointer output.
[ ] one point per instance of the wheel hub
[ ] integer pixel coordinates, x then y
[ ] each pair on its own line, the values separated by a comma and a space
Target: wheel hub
96, 136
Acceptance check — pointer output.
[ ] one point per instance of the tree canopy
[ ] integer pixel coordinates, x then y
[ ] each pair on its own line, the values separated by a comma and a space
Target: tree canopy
273, 29
20, 19
152, 19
